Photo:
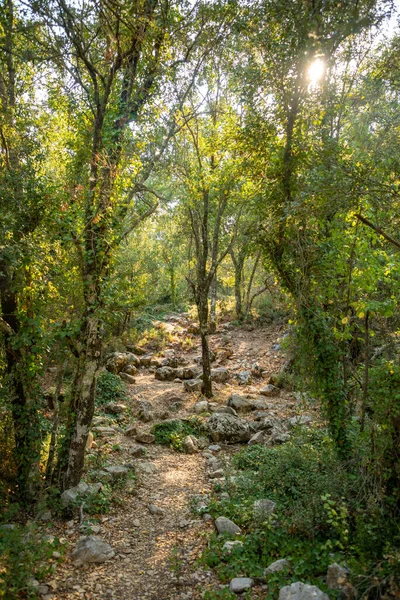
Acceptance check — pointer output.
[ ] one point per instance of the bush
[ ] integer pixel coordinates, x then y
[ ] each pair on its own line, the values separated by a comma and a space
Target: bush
295, 475
109, 388
24, 555
326, 511
172, 433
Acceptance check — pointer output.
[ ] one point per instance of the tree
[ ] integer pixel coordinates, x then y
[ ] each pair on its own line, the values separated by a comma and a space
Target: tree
207, 181
115, 56
24, 196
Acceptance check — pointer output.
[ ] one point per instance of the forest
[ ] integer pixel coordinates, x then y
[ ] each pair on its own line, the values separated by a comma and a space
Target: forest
199, 289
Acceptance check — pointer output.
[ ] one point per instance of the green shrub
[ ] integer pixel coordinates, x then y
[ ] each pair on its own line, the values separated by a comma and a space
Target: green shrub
24, 555
109, 388
172, 433
295, 475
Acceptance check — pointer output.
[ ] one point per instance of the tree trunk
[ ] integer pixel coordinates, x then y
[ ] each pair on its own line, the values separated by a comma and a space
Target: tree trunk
213, 305
172, 280
82, 400
202, 308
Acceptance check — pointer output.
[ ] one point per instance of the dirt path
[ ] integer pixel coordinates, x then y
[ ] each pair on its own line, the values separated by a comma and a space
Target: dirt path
157, 554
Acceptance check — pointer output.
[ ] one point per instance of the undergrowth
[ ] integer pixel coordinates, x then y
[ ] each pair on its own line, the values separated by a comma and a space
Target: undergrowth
109, 388
325, 512
172, 433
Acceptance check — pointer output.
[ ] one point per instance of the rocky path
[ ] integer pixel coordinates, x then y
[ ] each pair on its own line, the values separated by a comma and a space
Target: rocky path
156, 537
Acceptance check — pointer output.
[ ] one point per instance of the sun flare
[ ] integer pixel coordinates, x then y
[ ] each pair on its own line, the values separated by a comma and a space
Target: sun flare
316, 71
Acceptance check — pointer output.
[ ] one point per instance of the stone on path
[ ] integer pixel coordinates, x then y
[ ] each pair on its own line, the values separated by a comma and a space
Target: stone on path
92, 549
115, 408
156, 510
70, 495
301, 591
145, 438
225, 525
270, 391
128, 378
239, 403
220, 375
214, 448
228, 428
117, 471
193, 385
243, 377
241, 584
131, 431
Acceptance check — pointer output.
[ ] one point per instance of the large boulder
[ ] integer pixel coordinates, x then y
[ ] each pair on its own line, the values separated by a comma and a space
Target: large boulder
92, 549
270, 391
228, 428
193, 385
239, 403
133, 359
116, 362
225, 525
301, 591
187, 372
165, 374
220, 375
127, 378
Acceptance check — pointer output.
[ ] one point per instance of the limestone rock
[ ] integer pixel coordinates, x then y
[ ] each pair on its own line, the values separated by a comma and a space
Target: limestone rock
228, 428
336, 576
131, 431
127, 378
200, 407
258, 438
263, 508
92, 549
165, 374
301, 591
278, 565
156, 510
117, 471
229, 546
115, 408
225, 525
239, 403
130, 369
190, 444
225, 410
270, 391
241, 584
104, 431
243, 377
145, 361
300, 420
220, 375
145, 438
214, 448
146, 468
133, 360
137, 451
70, 495
193, 385
116, 362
